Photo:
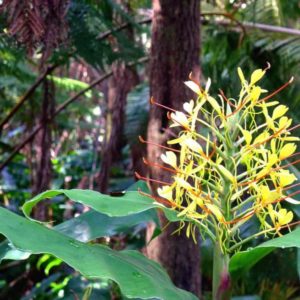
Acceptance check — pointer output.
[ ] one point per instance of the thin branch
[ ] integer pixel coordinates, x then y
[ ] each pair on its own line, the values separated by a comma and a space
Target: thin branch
26, 95
61, 108
241, 25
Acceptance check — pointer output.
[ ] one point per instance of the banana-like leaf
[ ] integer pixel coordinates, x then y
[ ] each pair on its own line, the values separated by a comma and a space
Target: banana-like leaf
242, 261
129, 203
137, 276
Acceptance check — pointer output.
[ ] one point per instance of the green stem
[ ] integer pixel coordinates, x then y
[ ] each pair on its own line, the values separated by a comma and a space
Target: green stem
221, 276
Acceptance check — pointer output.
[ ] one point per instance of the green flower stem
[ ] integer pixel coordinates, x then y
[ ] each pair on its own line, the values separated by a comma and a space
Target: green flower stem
221, 276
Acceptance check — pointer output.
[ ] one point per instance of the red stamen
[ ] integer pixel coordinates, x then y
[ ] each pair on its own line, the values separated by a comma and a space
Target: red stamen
158, 145
276, 91
152, 101
151, 164
291, 186
157, 199
138, 176
195, 80
225, 98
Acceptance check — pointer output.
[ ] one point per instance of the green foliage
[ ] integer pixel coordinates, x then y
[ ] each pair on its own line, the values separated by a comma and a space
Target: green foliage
136, 275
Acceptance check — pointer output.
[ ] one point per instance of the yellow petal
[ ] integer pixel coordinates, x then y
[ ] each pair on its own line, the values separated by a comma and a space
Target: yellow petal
193, 86
216, 211
272, 159
182, 183
287, 150
193, 145
179, 119
188, 106
169, 158
256, 76
285, 178
284, 217
284, 122
241, 75
207, 86
262, 137
226, 173
165, 192
279, 111
178, 140
213, 102
247, 136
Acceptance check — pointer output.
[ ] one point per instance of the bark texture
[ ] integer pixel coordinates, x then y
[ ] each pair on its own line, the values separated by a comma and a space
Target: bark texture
175, 53
42, 167
120, 84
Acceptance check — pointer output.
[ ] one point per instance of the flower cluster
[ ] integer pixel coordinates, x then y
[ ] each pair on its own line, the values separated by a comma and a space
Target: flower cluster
230, 165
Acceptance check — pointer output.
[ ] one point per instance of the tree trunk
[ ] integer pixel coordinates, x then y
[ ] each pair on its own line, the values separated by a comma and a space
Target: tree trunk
119, 86
175, 53
42, 170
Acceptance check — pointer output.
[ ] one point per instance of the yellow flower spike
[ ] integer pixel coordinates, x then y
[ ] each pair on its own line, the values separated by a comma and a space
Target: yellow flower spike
287, 150
188, 106
279, 111
256, 76
166, 192
194, 87
169, 158
179, 119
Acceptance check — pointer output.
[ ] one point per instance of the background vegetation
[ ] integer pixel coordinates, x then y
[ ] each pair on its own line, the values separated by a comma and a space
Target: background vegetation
74, 88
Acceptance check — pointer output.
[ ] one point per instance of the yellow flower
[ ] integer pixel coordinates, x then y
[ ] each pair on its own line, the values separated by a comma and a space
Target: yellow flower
256, 76
268, 196
247, 136
280, 218
287, 150
279, 111
179, 119
182, 183
188, 106
285, 178
166, 192
193, 86
193, 145
169, 158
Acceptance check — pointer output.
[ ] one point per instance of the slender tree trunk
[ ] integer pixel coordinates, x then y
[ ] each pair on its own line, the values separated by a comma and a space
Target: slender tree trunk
119, 86
175, 53
42, 171
122, 81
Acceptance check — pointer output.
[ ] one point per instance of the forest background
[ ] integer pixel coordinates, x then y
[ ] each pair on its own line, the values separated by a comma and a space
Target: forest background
75, 82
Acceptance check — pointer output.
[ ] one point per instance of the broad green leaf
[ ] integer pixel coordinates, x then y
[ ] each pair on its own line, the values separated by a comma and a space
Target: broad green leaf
92, 224
86, 227
131, 202
136, 275
242, 261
